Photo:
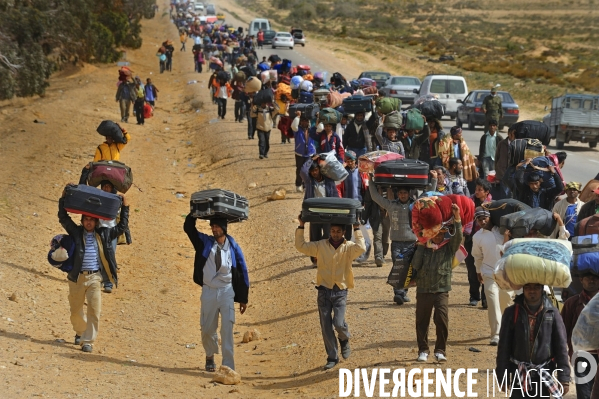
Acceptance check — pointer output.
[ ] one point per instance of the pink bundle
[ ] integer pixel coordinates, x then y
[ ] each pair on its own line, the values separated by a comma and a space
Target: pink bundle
368, 162
431, 214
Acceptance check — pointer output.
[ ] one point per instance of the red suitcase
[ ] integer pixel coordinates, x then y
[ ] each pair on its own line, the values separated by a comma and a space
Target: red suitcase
405, 172
587, 226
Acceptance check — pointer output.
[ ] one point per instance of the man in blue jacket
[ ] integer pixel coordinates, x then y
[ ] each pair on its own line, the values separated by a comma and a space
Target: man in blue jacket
221, 271
304, 145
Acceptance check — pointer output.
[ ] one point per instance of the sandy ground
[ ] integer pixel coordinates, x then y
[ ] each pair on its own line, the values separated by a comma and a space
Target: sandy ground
149, 340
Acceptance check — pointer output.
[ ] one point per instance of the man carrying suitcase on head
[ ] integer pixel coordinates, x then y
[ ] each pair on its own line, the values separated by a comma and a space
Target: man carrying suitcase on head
221, 271
94, 263
334, 277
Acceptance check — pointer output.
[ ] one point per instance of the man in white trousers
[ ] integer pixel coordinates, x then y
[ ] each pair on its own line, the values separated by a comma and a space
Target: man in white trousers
486, 254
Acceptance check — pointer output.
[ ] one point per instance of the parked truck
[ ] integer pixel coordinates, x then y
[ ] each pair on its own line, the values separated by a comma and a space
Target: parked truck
574, 117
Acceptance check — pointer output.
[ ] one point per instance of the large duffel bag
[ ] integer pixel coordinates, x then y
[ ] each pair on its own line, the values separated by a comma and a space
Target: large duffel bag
414, 120
355, 104
521, 149
431, 109
252, 85
309, 110
587, 226
504, 207
368, 162
305, 97
388, 104
585, 335
534, 261
331, 210
115, 172
111, 129
588, 193
334, 99
532, 130
263, 97
329, 116
217, 203
392, 119
585, 255
91, 201
521, 223
406, 172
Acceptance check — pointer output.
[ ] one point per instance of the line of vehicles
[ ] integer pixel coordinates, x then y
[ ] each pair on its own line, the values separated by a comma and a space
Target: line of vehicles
573, 117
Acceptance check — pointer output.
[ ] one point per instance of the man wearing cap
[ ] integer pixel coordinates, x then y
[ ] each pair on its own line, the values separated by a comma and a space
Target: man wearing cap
590, 208
570, 313
533, 195
486, 255
492, 108
569, 208
488, 148
221, 271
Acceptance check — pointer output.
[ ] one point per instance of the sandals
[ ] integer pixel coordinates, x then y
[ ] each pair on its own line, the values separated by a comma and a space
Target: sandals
210, 365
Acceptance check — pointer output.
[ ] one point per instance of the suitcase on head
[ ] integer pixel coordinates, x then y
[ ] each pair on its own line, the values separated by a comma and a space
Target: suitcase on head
91, 201
331, 210
521, 223
532, 130
115, 172
217, 203
355, 104
310, 110
406, 172
504, 207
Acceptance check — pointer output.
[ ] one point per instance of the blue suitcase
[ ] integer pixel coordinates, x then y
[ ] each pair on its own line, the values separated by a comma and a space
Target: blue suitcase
91, 201
306, 97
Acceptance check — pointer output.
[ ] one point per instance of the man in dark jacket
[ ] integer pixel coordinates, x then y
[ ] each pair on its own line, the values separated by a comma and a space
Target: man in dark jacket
94, 263
535, 196
590, 208
380, 223
356, 136
532, 337
432, 264
502, 155
220, 269
570, 314
125, 95
412, 141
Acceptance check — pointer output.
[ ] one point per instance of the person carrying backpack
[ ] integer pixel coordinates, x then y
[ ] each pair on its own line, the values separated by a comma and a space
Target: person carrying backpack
222, 91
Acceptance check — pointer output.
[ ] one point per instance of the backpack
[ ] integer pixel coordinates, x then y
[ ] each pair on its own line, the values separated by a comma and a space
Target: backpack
414, 120
62, 241
329, 116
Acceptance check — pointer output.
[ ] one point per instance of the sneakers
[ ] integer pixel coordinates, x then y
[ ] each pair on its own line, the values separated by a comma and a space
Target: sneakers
473, 302
398, 299
345, 349
422, 357
261, 156
378, 262
107, 289
330, 364
406, 298
86, 348
77, 339
440, 358
299, 189
494, 341
484, 304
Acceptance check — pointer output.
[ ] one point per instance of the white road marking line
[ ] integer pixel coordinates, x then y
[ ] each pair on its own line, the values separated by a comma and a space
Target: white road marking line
592, 160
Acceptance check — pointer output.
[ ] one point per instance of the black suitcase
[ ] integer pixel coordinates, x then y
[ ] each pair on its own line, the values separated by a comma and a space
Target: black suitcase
521, 223
532, 130
305, 97
520, 149
91, 201
210, 204
331, 210
111, 129
404, 172
306, 109
263, 97
504, 207
355, 104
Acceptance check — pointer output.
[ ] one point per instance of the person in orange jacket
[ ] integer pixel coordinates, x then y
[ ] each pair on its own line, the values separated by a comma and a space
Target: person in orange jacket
222, 91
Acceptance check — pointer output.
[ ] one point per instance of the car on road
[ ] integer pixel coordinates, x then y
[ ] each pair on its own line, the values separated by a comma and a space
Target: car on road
379, 77
268, 36
199, 7
257, 24
298, 37
470, 111
574, 117
210, 9
446, 88
402, 87
283, 39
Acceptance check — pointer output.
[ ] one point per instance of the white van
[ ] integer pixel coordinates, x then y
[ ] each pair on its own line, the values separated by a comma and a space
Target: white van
257, 24
448, 88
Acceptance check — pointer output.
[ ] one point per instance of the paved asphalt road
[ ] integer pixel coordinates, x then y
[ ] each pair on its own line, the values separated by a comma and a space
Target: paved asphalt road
582, 163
